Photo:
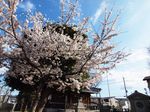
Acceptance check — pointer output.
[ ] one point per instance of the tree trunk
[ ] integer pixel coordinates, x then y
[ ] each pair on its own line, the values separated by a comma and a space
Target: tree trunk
35, 102
34, 105
26, 99
25, 106
22, 103
19, 103
66, 98
77, 106
43, 100
5, 96
25, 103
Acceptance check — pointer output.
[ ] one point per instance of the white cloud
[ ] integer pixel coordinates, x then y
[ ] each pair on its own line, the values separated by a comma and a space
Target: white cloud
133, 76
138, 11
27, 6
99, 11
140, 55
136, 23
131, 73
133, 70
133, 79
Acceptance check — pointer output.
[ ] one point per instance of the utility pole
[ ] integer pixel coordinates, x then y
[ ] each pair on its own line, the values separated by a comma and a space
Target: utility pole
108, 86
125, 88
108, 90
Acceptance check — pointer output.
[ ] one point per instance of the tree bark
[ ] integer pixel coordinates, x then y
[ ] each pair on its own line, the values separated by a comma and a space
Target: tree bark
76, 109
25, 106
22, 104
43, 100
34, 105
19, 103
26, 99
35, 102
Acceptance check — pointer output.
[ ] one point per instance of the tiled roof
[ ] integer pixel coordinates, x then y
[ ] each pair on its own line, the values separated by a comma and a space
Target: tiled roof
92, 90
138, 95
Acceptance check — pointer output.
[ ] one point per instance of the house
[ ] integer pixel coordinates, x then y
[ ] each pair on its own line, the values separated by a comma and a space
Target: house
71, 101
95, 103
104, 104
117, 103
123, 103
111, 101
139, 102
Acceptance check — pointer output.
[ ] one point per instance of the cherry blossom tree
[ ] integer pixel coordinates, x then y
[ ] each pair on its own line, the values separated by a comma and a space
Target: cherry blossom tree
43, 56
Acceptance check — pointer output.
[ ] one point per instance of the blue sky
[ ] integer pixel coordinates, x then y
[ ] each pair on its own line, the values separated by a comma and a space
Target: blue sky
135, 37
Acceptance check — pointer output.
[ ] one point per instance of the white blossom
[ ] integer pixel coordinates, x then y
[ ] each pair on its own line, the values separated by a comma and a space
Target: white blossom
54, 52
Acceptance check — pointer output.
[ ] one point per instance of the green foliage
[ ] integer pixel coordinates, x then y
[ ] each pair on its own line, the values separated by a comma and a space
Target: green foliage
85, 76
16, 83
66, 30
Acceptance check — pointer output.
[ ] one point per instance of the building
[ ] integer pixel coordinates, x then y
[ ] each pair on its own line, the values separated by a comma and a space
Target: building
71, 101
95, 103
123, 103
139, 102
111, 101
117, 103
